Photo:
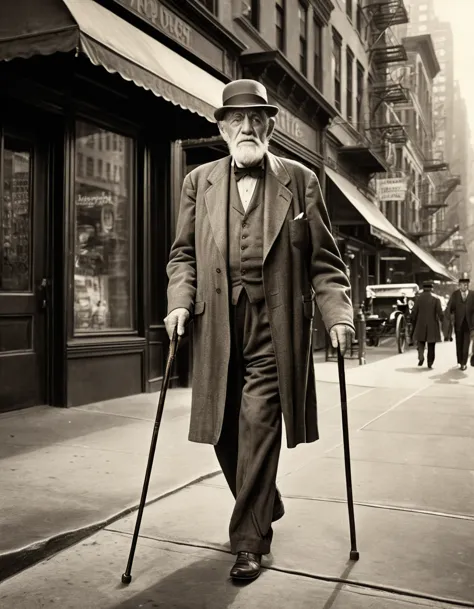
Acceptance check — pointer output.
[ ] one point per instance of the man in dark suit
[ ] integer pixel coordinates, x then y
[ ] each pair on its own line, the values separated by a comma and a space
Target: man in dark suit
253, 252
461, 305
426, 316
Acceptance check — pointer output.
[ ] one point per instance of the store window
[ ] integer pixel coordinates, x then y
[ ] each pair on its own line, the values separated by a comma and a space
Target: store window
104, 229
15, 216
280, 24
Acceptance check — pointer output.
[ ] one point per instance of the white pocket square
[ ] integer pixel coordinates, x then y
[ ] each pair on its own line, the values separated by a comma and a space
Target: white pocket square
300, 216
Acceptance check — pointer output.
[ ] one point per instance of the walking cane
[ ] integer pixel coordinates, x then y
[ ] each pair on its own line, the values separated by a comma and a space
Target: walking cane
354, 554
127, 577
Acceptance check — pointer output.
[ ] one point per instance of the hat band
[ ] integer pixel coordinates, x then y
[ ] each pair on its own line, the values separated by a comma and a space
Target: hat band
246, 99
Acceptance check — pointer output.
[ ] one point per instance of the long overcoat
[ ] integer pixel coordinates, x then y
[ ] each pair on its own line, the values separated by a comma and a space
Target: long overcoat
427, 315
461, 310
301, 265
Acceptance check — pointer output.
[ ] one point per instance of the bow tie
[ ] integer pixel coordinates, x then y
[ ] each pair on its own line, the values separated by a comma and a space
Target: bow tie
254, 172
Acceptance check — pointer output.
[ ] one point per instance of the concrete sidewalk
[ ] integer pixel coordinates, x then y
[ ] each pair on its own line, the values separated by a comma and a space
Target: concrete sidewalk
412, 441
66, 473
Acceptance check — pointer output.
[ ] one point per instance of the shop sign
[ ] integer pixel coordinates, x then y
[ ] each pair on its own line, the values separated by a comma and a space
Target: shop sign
296, 129
165, 20
392, 189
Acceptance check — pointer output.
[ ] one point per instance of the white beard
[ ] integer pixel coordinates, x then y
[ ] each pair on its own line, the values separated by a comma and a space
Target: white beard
247, 154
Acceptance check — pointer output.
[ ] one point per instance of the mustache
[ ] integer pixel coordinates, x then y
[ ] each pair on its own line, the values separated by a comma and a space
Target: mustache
248, 139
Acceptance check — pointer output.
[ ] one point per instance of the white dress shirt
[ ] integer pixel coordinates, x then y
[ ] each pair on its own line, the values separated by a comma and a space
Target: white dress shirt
246, 187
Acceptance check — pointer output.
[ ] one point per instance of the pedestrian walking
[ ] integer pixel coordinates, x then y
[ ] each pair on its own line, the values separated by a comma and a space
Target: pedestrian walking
253, 253
461, 305
427, 316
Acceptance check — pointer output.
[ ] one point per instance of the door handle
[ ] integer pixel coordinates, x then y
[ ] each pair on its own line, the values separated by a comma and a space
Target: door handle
43, 292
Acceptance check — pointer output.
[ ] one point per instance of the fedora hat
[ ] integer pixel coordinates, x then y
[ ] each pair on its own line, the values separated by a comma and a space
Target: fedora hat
244, 93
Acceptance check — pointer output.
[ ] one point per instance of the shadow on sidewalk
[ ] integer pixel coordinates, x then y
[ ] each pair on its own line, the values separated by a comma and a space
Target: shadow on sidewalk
414, 370
205, 583
450, 377
339, 587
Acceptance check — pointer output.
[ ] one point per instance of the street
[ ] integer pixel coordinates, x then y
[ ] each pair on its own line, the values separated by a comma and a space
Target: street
412, 443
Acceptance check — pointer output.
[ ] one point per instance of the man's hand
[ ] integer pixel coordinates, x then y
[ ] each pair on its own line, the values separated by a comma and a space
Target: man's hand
177, 317
342, 336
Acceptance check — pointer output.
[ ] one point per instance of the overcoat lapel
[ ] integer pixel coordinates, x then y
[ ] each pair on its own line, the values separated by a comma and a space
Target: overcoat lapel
277, 201
216, 197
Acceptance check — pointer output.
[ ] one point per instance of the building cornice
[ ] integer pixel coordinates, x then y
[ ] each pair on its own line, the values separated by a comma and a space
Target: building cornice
423, 44
323, 9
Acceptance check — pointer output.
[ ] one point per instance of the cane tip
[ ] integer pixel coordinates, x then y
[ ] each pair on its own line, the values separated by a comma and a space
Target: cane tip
354, 555
126, 578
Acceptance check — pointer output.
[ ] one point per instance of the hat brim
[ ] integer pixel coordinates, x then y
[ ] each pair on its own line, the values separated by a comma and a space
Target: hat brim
267, 108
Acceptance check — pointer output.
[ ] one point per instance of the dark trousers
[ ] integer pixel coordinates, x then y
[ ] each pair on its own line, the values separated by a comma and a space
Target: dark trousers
462, 343
431, 351
249, 446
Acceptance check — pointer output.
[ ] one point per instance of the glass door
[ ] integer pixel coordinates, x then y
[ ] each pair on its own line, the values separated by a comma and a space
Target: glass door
24, 285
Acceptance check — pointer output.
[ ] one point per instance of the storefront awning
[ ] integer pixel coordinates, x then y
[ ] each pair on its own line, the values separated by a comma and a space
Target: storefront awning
383, 228
379, 225
428, 260
32, 28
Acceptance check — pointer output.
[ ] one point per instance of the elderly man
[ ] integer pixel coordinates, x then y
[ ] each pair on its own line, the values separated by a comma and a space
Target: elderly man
253, 250
461, 305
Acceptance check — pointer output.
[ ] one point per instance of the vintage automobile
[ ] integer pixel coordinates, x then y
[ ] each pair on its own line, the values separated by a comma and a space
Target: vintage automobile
387, 311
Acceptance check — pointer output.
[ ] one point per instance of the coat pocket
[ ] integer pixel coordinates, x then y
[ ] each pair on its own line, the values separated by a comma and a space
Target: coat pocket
199, 307
299, 233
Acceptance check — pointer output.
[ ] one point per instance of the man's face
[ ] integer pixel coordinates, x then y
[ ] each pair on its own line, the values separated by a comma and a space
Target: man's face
247, 133
464, 286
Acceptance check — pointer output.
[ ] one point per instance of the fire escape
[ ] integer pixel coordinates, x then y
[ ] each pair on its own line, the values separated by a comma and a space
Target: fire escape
386, 54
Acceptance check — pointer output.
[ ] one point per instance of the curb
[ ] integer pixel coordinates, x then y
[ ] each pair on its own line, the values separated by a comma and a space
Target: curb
16, 561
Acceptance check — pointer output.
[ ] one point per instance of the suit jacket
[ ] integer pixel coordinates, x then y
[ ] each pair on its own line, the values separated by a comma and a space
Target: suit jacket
426, 317
461, 310
301, 263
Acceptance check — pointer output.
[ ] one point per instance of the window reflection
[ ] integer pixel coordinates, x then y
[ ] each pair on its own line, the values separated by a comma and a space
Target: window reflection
103, 248
15, 217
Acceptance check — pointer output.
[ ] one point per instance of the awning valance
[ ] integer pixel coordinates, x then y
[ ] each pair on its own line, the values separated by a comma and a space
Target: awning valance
50, 26
379, 225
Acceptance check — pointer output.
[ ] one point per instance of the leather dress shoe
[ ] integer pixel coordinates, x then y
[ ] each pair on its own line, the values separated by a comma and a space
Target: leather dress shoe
247, 566
421, 361
464, 367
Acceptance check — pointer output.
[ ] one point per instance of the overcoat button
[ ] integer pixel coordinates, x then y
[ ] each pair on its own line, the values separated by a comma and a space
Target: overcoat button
218, 290
218, 270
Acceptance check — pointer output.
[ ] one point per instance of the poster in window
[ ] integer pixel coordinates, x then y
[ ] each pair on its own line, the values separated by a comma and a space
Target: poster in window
103, 259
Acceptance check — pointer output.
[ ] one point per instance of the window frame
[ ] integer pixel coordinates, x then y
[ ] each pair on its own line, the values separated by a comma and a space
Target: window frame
215, 6
318, 53
303, 37
337, 68
349, 10
254, 18
109, 129
359, 96
350, 85
280, 9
